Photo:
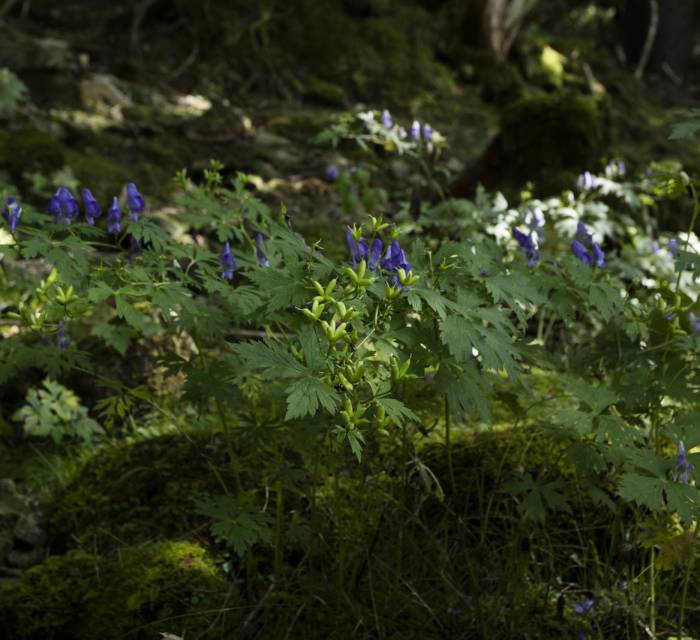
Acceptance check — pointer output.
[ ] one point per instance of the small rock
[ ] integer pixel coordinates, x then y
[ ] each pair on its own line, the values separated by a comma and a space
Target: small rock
25, 559
29, 529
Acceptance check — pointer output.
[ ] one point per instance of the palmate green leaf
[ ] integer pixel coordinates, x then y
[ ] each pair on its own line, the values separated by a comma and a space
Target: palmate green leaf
465, 396
606, 299
235, 522
143, 323
270, 358
688, 127
645, 491
305, 396
283, 288
435, 300
315, 344
396, 410
571, 422
114, 336
597, 398
683, 499
458, 334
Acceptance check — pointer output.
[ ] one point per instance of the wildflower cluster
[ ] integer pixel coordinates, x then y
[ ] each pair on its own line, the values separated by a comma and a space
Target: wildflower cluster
12, 212
394, 263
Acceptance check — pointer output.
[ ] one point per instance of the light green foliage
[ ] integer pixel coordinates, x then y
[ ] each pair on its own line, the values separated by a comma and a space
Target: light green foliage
12, 90
54, 411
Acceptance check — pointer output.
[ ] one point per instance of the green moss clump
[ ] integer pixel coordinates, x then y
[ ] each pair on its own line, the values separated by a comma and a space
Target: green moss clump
166, 587
130, 493
29, 150
550, 132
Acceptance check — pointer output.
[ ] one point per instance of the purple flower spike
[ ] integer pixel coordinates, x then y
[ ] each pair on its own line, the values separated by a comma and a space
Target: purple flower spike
673, 247
12, 213
375, 254
114, 217
67, 205
415, 130
228, 262
427, 131
352, 246
527, 242
386, 119
260, 250
136, 202
581, 253
586, 181
54, 208
683, 466
92, 207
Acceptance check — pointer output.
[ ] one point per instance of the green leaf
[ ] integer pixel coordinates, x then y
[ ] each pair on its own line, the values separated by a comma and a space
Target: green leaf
271, 358
643, 490
396, 410
306, 395
606, 299
234, 521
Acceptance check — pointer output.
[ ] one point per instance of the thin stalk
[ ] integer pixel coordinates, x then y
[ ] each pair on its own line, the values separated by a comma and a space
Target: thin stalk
684, 595
279, 522
448, 448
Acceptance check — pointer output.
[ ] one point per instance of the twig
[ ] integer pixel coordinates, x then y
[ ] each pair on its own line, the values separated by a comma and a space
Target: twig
254, 612
650, 39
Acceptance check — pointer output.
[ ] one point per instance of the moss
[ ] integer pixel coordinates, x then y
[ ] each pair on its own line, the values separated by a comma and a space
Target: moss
546, 132
130, 493
166, 587
29, 150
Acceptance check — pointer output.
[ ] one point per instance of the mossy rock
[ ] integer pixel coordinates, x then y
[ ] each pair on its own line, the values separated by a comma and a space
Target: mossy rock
547, 132
166, 587
130, 493
30, 150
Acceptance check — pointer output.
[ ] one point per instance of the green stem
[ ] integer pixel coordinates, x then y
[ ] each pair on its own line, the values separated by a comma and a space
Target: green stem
448, 448
279, 522
691, 228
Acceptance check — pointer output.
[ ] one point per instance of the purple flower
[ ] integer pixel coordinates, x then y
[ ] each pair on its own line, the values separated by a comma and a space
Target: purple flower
332, 172
386, 119
395, 258
673, 247
63, 205
260, 250
581, 253
415, 130
584, 606
375, 254
586, 181
427, 131
62, 339
136, 202
228, 262
694, 322
92, 207
352, 245
583, 244
683, 466
12, 213
54, 208
114, 217
527, 242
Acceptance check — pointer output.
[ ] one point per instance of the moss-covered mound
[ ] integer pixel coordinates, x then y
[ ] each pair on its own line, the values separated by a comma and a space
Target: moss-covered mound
130, 493
169, 587
549, 138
